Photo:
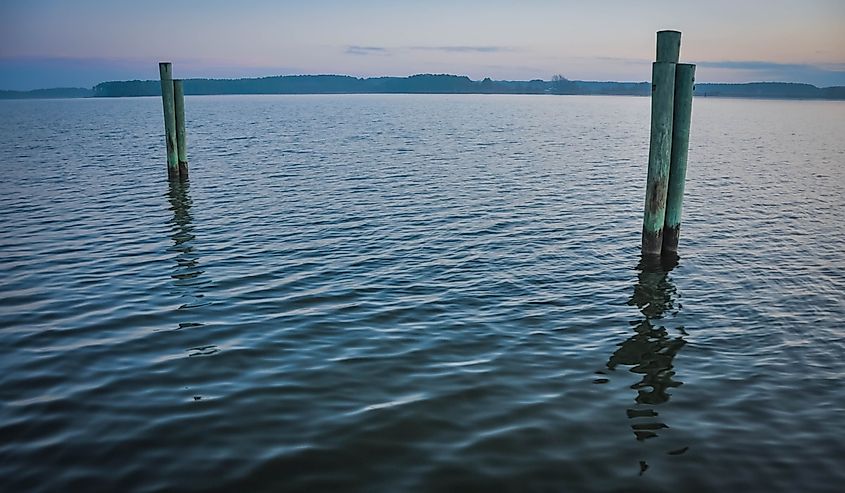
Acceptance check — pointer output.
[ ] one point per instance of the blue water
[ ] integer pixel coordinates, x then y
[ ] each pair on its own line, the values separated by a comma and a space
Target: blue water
418, 293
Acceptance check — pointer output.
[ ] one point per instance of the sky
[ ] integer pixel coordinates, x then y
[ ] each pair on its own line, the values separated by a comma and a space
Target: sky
79, 43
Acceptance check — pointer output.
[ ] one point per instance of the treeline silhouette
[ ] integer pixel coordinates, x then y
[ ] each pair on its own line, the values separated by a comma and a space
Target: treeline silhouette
777, 90
424, 84
451, 84
59, 92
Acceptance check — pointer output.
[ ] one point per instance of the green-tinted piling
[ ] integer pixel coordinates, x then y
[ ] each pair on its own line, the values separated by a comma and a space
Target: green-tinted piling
659, 155
181, 144
668, 46
684, 84
166, 71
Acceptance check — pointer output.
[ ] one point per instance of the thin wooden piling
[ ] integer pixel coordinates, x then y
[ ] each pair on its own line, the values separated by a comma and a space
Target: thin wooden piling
166, 72
682, 114
659, 155
181, 144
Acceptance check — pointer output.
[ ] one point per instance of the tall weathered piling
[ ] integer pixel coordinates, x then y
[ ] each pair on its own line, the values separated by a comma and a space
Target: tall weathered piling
671, 103
166, 72
659, 154
181, 143
682, 115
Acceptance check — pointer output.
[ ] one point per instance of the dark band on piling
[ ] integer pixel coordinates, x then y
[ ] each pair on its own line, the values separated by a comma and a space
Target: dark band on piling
671, 234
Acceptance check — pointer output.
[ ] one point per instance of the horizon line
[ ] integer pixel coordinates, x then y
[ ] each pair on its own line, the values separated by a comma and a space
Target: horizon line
406, 77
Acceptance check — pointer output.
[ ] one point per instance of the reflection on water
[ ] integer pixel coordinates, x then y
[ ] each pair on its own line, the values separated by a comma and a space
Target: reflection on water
187, 273
403, 296
651, 350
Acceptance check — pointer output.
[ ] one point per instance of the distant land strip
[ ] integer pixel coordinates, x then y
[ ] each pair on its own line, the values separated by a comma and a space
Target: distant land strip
424, 84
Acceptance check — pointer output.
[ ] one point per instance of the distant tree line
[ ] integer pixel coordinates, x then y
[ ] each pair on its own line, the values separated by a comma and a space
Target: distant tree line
776, 90
452, 84
59, 92
339, 84
424, 84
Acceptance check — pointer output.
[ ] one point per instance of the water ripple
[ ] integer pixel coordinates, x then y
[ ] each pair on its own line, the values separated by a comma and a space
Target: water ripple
418, 293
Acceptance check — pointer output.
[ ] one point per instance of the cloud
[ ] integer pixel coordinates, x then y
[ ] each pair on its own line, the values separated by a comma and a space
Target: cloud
821, 75
362, 50
465, 49
37, 72
737, 71
366, 50
758, 65
615, 59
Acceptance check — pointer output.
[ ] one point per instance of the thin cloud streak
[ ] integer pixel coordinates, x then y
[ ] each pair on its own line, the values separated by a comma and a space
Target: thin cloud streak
761, 65
465, 49
739, 71
28, 72
383, 50
366, 50
826, 75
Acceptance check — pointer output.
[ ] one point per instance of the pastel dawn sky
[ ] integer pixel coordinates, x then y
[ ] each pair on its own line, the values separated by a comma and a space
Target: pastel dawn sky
50, 43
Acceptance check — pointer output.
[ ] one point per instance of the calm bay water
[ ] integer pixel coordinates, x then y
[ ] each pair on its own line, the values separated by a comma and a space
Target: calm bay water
418, 293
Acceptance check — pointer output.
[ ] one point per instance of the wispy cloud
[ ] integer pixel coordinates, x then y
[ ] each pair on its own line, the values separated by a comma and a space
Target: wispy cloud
465, 49
615, 59
824, 75
366, 50
758, 65
38, 72
363, 50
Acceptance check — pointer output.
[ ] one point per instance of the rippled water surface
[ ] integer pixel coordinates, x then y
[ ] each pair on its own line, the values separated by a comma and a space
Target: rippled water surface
418, 293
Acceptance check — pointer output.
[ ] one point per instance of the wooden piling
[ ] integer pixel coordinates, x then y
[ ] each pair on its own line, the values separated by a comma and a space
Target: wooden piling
682, 114
181, 144
659, 155
166, 72
668, 46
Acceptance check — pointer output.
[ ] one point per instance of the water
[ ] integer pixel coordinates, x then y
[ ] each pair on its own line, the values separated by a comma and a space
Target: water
418, 293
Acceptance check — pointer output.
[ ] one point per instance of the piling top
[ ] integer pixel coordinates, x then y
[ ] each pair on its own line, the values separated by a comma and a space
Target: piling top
668, 46
165, 69
684, 71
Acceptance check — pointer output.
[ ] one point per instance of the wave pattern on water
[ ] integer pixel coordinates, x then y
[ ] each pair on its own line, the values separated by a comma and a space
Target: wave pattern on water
388, 293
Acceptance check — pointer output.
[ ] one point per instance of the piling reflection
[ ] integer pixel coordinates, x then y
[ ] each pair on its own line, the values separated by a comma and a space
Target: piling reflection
187, 272
651, 350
